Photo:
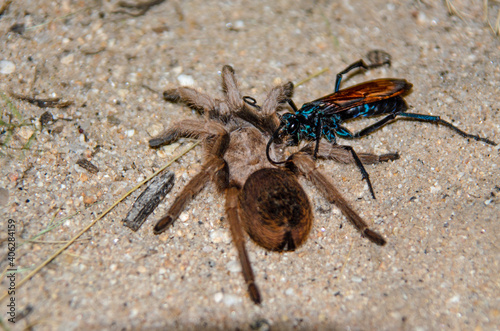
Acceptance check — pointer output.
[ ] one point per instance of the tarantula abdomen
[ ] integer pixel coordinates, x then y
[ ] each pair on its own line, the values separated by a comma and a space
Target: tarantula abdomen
275, 210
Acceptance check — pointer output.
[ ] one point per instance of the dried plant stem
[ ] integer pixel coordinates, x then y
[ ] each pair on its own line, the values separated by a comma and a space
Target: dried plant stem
60, 250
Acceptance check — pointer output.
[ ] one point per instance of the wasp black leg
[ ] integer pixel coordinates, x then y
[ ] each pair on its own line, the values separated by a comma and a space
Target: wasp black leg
353, 66
418, 117
361, 168
366, 131
438, 120
319, 130
292, 105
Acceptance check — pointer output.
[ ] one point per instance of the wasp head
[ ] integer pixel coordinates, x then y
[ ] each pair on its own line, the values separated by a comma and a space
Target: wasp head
289, 125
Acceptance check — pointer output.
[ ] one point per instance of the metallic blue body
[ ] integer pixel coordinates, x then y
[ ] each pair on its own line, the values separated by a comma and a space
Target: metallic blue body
305, 123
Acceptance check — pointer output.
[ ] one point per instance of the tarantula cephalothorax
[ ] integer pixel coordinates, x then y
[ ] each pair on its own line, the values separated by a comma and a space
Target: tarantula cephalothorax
266, 201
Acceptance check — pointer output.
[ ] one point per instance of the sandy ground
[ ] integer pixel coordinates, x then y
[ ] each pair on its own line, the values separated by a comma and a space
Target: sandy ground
438, 206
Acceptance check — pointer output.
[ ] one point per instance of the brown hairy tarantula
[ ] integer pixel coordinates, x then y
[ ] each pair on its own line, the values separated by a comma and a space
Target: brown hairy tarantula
264, 200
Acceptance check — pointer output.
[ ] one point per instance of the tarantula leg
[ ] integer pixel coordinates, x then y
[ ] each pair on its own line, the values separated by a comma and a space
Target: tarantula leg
265, 118
346, 154
239, 241
278, 96
211, 169
230, 88
182, 129
337, 153
195, 100
305, 165
187, 129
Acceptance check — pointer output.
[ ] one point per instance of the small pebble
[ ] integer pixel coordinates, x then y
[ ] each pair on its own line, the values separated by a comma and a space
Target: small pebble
185, 80
220, 235
184, 217
435, 189
25, 132
421, 18
7, 67
68, 59
237, 26
130, 133
233, 266
356, 279
218, 297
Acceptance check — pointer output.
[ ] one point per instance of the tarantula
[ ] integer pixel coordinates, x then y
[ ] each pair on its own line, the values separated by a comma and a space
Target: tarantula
265, 200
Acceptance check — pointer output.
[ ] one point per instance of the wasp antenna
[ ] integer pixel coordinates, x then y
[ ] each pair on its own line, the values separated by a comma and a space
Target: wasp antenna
268, 147
251, 101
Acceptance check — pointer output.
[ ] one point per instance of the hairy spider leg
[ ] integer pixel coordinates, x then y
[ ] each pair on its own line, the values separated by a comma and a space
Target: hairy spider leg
192, 188
214, 169
304, 163
239, 241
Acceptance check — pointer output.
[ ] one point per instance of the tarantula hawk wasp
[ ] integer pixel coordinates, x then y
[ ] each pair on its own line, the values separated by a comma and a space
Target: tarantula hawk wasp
323, 117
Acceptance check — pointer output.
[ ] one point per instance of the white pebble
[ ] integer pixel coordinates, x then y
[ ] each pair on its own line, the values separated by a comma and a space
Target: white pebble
133, 313
435, 189
356, 279
220, 235
289, 291
184, 217
7, 67
68, 59
185, 80
25, 132
233, 266
218, 297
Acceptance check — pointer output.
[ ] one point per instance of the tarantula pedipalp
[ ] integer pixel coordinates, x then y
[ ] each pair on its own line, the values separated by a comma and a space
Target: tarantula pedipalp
264, 200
